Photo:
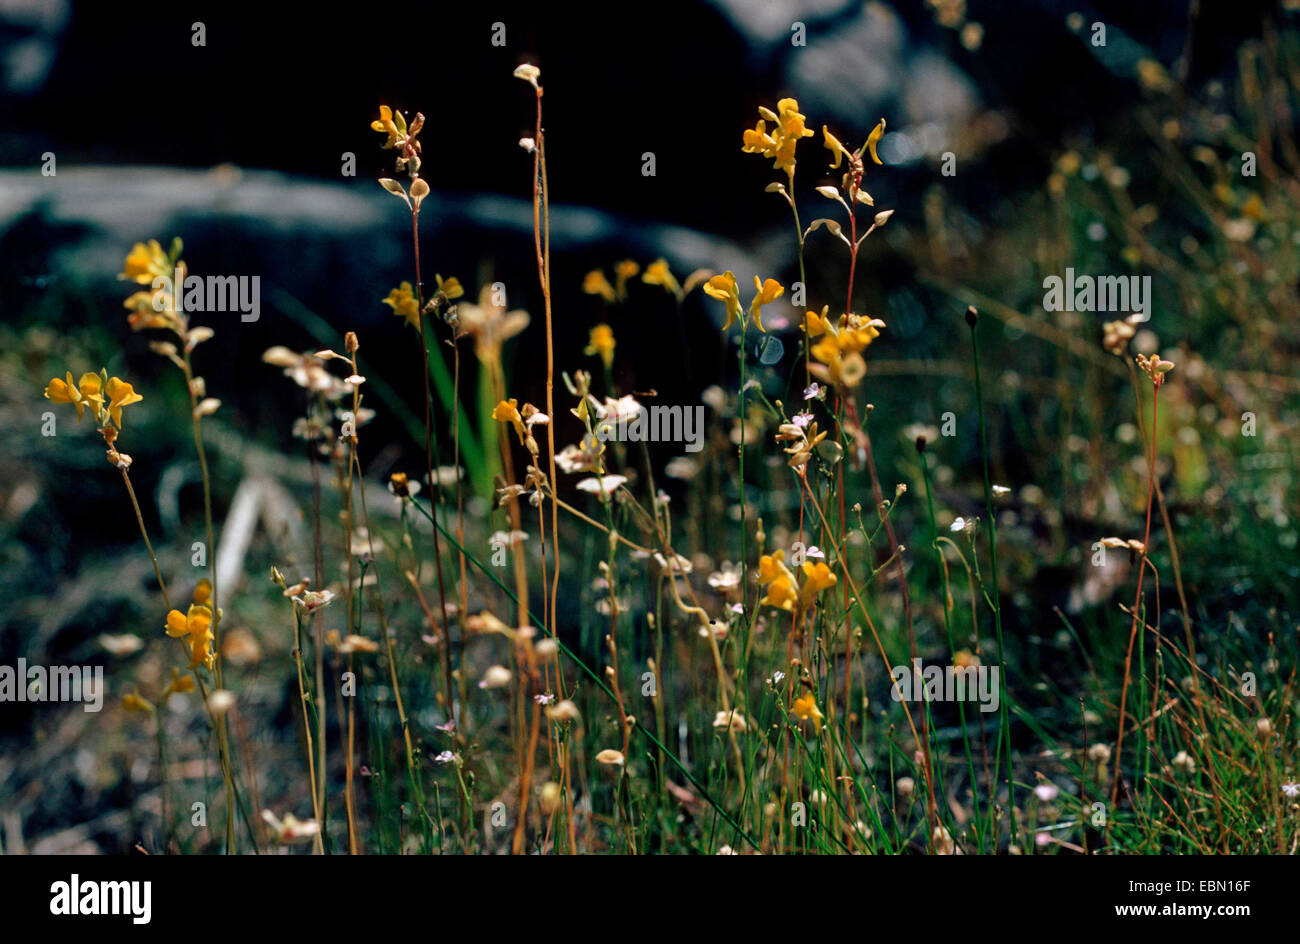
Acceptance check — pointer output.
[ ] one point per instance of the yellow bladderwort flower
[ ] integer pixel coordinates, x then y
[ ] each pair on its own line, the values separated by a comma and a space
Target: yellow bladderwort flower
203, 592
61, 391
180, 684
792, 123
780, 594
451, 287
873, 138
120, 394
805, 707
773, 574
195, 627
133, 701
816, 578
756, 140
723, 287
385, 124
602, 342
857, 333
765, 293
66, 391
403, 302
623, 271
839, 152
832, 144
839, 350
145, 262
91, 387
156, 308
787, 129
595, 283
393, 124
507, 411
658, 273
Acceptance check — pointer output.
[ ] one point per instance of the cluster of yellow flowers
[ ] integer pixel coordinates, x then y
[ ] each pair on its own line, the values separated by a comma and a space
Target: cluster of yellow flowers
596, 282
105, 395
779, 144
195, 627
783, 589
724, 289
839, 350
155, 308
657, 273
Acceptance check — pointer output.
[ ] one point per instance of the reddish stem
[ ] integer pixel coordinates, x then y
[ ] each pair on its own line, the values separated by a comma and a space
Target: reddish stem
1142, 567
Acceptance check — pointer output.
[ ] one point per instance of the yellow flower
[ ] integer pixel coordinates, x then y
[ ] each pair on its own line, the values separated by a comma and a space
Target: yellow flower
816, 324
507, 411
792, 123
91, 387
805, 707
179, 684
780, 594
195, 627
451, 287
846, 370
816, 578
832, 144
393, 124
773, 574
622, 272
86, 390
723, 287
877, 133
756, 140
658, 273
59, 391
772, 566
145, 262
203, 592
857, 333
764, 293
134, 702
595, 283
839, 352
156, 308
403, 302
602, 343
779, 145
385, 124
120, 394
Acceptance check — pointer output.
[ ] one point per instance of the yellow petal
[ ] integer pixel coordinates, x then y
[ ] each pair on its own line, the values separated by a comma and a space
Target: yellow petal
90, 386
877, 133
833, 145
595, 283
177, 625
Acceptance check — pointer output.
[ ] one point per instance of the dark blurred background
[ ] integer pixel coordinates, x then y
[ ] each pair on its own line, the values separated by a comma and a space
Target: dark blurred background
238, 145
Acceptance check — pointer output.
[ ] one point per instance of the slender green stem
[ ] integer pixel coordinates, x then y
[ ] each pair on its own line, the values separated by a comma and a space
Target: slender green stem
1004, 736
